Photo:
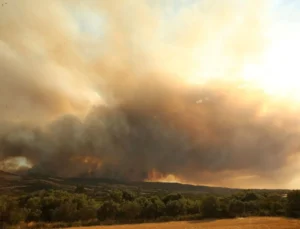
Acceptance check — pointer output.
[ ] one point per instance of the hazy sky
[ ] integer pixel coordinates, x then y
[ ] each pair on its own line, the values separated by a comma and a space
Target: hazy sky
281, 32
203, 92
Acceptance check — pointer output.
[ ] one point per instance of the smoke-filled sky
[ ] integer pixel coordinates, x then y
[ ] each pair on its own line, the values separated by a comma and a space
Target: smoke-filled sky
201, 92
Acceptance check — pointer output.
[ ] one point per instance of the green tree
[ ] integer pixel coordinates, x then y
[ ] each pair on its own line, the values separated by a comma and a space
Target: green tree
33, 206
293, 204
49, 204
116, 196
250, 196
10, 212
128, 195
210, 207
108, 210
144, 203
277, 208
86, 207
252, 208
193, 206
224, 207
155, 208
171, 197
130, 209
236, 208
67, 211
176, 207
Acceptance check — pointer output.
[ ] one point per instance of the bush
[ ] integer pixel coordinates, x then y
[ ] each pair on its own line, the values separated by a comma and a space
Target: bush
172, 197
293, 204
66, 212
210, 207
108, 210
193, 207
130, 210
176, 207
63, 208
236, 208
10, 212
155, 208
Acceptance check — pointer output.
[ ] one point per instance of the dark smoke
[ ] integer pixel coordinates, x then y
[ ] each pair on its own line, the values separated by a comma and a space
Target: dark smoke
126, 108
131, 139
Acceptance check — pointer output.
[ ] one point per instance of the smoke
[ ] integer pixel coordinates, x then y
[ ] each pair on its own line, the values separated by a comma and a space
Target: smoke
117, 100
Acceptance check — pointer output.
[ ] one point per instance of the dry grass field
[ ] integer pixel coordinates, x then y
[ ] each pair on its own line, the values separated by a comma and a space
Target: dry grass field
242, 223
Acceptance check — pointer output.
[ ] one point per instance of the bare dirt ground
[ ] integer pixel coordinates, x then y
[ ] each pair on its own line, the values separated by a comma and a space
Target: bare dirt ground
240, 223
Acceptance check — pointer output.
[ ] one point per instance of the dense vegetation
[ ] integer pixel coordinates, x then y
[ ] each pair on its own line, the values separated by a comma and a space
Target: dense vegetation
125, 206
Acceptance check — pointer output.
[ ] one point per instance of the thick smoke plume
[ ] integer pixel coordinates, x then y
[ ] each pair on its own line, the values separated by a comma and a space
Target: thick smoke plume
117, 100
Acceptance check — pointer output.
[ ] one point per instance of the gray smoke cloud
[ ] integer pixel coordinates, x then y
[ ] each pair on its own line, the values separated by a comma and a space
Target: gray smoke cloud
117, 103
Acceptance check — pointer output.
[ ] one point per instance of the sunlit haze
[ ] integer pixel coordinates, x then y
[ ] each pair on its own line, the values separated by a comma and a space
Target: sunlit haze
191, 91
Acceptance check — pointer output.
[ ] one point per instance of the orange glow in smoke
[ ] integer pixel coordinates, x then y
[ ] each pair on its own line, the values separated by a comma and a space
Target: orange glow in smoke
156, 176
95, 162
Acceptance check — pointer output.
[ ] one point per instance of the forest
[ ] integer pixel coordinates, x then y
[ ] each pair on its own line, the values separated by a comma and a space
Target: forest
80, 207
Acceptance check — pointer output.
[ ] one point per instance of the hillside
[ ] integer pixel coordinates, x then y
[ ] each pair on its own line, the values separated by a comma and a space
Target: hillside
99, 201
18, 183
6, 175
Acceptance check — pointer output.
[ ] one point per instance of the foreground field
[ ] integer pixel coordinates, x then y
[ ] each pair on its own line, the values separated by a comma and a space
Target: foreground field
242, 223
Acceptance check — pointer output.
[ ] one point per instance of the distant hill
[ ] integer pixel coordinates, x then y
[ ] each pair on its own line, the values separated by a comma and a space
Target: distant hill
150, 186
12, 183
8, 176
18, 183
2, 174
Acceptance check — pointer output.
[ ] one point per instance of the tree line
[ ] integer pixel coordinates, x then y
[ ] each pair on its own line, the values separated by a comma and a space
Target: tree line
124, 206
